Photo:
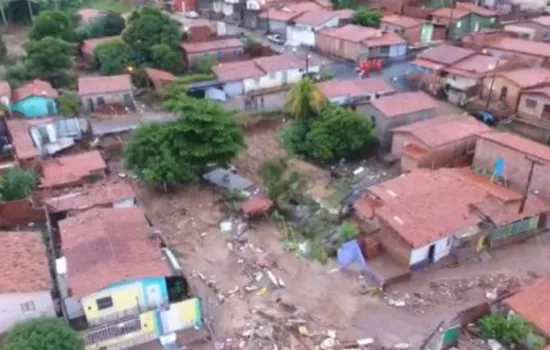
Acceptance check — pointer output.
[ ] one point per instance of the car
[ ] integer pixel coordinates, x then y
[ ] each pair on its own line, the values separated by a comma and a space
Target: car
192, 15
276, 39
485, 117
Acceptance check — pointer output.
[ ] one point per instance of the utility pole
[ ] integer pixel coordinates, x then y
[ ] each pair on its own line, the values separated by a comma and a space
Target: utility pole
529, 178
450, 26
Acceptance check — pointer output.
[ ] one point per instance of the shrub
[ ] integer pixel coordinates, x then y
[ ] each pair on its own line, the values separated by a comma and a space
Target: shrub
17, 183
508, 331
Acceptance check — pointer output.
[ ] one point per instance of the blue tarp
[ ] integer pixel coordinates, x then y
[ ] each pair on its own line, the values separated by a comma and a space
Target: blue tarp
350, 253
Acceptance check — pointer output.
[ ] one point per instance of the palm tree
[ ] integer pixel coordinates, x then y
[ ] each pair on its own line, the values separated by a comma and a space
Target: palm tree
305, 100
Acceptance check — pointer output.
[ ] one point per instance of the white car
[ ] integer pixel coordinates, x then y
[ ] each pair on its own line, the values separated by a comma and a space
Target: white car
192, 15
276, 39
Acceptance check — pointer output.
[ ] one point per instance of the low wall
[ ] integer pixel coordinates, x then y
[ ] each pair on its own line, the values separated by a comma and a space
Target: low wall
20, 212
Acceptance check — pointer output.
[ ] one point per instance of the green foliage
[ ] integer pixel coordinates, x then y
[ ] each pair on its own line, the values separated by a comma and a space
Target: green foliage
148, 27
54, 24
194, 78
304, 100
338, 133
45, 333
68, 104
179, 151
280, 183
345, 4
205, 64
166, 58
347, 231
113, 57
16, 74
366, 17
253, 48
326, 74
49, 59
110, 24
3, 50
508, 331
16, 183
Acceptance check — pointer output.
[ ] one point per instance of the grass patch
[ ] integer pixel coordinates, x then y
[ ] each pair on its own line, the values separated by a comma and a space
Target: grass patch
109, 5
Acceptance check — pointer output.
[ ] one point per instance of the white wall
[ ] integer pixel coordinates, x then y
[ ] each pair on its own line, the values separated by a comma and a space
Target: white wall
302, 34
11, 311
442, 249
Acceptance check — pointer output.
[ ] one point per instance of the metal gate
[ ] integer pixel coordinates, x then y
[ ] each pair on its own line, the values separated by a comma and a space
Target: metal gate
444, 336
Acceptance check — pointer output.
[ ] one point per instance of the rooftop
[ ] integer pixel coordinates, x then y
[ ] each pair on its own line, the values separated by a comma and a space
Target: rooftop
320, 17
528, 77
478, 10
289, 12
24, 264
440, 131
446, 54
97, 194
520, 144
335, 88
22, 142
71, 168
159, 77
533, 48
289, 60
89, 46
402, 21
386, 39
104, 85
533, 304
352, 32
212, 45
404, 103
34, 88
103, 246
447, 12
237, 70
542, 20
475, 66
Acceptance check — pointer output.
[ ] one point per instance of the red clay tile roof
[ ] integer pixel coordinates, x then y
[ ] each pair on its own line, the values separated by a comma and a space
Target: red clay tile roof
440, 131
98, 194
21, 139
446, 54
212, 45
352, 32
160, 78
104, 246
542, 20
446, 13
34, 88
89, 46
24, 264
5, 89
545, 90
481, 11
386, 39
528, 77
320, 17
287, 61
336, 88
86, 15
104, 85
519, 144
533, 304
502, 215
402, 21
237, 70
257, 205
475, 66
289, 12
70, 169
404, 103
521, 46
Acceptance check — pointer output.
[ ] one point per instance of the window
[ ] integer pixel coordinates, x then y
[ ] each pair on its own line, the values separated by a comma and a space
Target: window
384, 50
220, 54
235, 53
530, 103
100, 101
459, 24
104, 303
28, 307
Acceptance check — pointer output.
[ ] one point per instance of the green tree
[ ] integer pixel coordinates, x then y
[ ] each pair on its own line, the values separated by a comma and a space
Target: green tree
366, 17
68, 104
345, 4
338, 133
305, 100
347, 231
17, 183
16, 74
3, 50
50, 59
42, 334
280, 183
166, 58
148, 27
55, 24
113, 57
204, 64
509, 331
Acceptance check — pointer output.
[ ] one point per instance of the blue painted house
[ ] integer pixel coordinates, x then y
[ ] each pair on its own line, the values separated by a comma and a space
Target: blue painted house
35, 99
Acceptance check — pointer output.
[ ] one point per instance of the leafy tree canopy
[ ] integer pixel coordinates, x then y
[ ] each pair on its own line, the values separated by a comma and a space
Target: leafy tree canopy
304, 100
148, 27
46, 333
110, 24
205, 64
68, 104
16, 183
345, 4
509, 331
49, 59
366, 17
113, 57
3, 50
55, 24
166, 58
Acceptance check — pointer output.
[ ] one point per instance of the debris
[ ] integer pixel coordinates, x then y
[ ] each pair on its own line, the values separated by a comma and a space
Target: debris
365, 341
495, 345
234, 290
262, 292
240, 261
328, 343
402, 346
331, 333
250, 289
122, 175
491, 294
281, 282
265, 260
272, 278
303, 331
226, 226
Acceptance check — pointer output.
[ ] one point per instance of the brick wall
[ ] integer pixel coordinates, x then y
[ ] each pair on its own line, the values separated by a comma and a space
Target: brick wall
20, 212
500, 83
339, 48
394, 245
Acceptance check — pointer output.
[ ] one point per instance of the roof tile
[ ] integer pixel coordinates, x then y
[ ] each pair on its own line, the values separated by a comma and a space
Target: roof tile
89, 46
104, 85
71, 169
402, 21
34, 88
533, 304
212, 45
404, 103
361, 87
520, 144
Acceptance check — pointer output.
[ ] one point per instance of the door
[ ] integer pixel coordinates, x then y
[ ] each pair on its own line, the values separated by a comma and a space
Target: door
128, 102
90, 104
431, 253
503, 92
153, 295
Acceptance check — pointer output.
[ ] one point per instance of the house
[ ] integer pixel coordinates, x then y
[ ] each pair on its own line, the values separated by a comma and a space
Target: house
72, 169
128, 294
115, 194
532, 304
159, 78
219, 49
411, 29
88, 47
240, 78
536, 29
537, 53
35, 99
199, 29
33, 138
449, 206
464, 18
275, 19
435, 143
517, 154
25, 284
95, 92
507, 86
389, 112
358, 43
301, 31
353, 92
85, 16
533, 117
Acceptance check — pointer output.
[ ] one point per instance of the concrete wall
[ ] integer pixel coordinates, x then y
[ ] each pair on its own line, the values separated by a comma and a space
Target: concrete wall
516, 167
35, 106
20, 212
220, 55
277, 79
442, 248
301, 34
500, 83
394, 245
533, 113
91, 102
11, 306
527, 30
340, 48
